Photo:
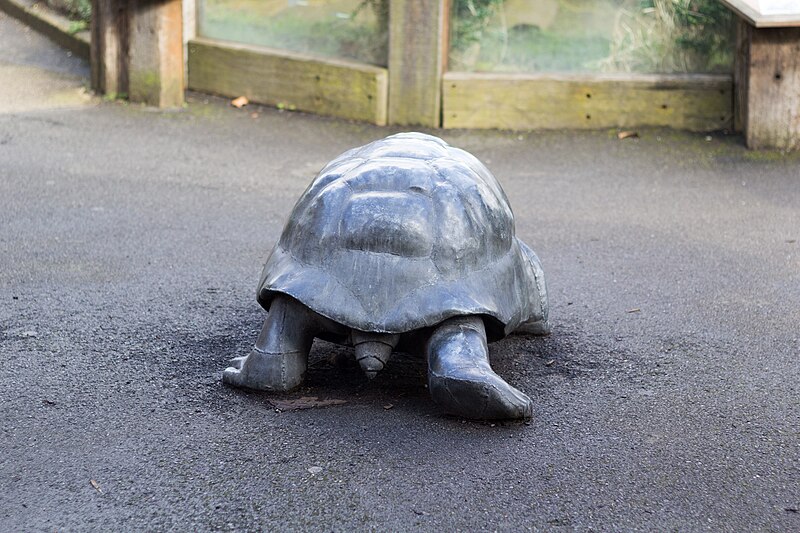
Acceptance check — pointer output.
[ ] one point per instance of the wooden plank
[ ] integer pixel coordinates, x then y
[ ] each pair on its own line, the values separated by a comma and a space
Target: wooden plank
773, 89
156, 52
767, 13
741, 72
295, 81
531, 101
109, 47
190, 8
416, 51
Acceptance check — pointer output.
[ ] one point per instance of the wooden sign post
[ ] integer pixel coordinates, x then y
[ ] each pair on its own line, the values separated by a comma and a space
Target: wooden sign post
767, 72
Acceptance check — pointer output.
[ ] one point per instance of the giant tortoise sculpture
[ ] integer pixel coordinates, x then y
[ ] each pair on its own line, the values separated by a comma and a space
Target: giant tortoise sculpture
406, 242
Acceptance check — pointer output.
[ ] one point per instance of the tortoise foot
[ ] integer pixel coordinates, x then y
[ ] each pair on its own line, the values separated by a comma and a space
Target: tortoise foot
477, 394
462, 381
267, 371
279, 358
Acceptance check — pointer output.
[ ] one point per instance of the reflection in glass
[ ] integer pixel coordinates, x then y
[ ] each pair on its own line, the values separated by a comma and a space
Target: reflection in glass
647, 36
351, 29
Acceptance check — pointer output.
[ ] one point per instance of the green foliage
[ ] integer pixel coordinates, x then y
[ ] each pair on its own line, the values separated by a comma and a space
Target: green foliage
706, 26
673, 36
534, 50
360, 35
592, 35
77, 10
112, 96
76, 26
470, 19
581, 35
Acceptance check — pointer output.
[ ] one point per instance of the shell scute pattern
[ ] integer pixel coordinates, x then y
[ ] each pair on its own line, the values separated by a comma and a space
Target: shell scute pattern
401, 234
370, 223
400, 147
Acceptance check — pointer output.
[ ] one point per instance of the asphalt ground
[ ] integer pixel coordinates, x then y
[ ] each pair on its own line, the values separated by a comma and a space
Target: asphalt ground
131, 243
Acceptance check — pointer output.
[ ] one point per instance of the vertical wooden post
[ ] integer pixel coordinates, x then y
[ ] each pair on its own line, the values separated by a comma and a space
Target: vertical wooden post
741, 62
189, 32
156, 52
109, 47
768, 81
417, 42
137, 50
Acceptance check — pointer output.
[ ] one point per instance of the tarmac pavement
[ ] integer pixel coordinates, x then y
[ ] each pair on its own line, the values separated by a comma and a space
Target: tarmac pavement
131, 243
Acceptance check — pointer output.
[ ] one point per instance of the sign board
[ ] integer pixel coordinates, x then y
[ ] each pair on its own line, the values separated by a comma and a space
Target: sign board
767, 13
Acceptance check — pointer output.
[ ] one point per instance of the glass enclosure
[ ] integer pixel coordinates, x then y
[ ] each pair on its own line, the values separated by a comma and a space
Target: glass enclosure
350, 29
641, 36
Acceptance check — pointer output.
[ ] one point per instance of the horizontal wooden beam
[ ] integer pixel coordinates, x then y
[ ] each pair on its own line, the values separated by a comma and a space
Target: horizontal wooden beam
295, 81
536, 101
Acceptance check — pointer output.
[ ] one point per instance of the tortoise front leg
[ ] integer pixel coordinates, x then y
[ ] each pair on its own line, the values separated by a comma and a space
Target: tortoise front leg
460, 378
279, 358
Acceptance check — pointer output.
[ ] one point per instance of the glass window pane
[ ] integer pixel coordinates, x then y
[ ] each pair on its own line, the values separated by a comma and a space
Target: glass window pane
646, 36
351, 29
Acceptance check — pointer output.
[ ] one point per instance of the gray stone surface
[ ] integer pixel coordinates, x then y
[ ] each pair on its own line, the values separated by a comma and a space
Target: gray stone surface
130, 242
35, 74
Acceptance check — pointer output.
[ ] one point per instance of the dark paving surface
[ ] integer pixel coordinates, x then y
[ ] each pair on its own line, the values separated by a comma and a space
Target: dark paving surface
130, 247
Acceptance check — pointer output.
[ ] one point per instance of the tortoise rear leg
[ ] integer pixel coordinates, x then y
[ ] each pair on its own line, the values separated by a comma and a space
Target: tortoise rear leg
279, 358
461, 379
538, 323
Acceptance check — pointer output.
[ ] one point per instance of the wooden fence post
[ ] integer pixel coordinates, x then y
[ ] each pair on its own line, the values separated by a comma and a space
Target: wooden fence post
109, 47
189, 33
768, 83
417, 47
767, 72
156, 52
137, 49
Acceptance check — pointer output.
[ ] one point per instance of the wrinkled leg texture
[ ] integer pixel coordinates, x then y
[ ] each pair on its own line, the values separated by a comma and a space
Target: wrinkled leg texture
460, 378
278, 360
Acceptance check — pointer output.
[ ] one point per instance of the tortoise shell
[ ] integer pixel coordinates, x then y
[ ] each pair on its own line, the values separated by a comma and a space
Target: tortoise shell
401, 234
